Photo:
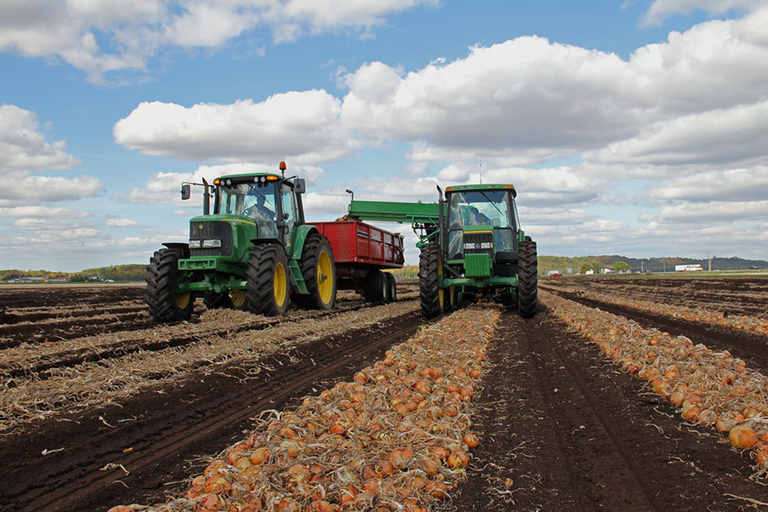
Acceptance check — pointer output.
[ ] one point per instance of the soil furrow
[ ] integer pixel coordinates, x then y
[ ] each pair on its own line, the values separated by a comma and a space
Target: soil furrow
42, 370
193, 419
562, 429
752, 348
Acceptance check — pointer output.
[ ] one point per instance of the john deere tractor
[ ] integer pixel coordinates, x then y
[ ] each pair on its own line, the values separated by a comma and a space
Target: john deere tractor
253, 251
471, 244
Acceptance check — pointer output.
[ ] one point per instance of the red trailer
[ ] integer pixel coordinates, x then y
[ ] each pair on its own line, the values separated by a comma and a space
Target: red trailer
361, 251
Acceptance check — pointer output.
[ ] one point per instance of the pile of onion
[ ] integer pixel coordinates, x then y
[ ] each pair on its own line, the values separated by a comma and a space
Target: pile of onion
703, 315
395, 438
710, 388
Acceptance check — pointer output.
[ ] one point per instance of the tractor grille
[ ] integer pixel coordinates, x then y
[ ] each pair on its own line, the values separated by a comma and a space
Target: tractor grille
478, 243
211, 231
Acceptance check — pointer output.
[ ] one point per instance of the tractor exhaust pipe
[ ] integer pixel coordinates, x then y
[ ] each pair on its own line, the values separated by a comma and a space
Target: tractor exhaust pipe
442, 232
206, 199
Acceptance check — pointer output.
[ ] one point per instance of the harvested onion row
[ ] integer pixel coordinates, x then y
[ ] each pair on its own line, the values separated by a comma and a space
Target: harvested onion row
710, 388
703, 315
396, 438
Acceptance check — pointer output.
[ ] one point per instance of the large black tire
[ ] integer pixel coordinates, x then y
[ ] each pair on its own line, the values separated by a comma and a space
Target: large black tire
432, 298
235, 299
267, 291
375, 289
165, 305
392, 287
527, 279
319, 271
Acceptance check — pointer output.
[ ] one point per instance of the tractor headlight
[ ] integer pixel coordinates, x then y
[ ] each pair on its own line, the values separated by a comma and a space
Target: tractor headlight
212, 243
194, 244
477, 245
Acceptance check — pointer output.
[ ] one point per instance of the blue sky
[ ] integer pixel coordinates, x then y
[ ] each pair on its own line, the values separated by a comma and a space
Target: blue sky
636, 128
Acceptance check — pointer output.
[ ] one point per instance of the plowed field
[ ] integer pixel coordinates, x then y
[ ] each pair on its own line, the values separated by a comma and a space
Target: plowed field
102, 407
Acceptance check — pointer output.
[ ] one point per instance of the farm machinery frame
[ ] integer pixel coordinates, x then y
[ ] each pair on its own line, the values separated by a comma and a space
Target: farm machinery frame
256, 252
471, 244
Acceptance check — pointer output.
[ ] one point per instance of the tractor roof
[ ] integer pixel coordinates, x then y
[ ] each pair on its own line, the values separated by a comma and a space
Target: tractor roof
243, 178
464, 188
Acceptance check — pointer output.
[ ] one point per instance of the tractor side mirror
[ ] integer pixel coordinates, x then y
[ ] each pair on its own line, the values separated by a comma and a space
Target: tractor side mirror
300, 186
185, 192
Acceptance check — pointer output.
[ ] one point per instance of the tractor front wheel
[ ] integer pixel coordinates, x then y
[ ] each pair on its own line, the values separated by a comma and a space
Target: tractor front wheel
319, 272
432, 297
234, 299
527, 279
267, 291
165, 304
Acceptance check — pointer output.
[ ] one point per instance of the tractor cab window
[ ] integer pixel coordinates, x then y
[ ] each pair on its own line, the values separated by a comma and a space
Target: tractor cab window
492, 208
289, 208
250, 200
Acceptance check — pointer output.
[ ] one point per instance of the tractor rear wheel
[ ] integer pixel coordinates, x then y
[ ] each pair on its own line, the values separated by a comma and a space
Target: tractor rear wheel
527, 279
267, 291
165, 305
432, 297
319, 272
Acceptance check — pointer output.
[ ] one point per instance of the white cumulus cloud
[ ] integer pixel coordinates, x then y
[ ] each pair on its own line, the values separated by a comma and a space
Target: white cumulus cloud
100, 37
303, 126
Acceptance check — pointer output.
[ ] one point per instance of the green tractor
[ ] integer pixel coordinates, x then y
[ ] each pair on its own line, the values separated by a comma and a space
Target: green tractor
471, 244
253, 252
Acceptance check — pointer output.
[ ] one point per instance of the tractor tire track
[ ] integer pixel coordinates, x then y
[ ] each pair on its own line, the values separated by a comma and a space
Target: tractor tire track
46, 366
134, 449
562, 428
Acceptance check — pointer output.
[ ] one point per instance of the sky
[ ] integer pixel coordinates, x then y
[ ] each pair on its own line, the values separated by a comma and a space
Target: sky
637, 128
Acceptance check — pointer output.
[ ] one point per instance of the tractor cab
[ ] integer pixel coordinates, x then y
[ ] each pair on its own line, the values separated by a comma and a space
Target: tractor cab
266, 199
482, 230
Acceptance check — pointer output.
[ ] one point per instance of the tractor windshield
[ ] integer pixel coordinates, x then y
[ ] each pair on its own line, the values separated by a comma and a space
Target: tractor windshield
492, 208
253, 200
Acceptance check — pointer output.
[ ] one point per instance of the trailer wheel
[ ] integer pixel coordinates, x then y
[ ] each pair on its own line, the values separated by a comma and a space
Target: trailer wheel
430, 268
376, 287
267, 280
165, 305
527, 279
392, 287
319, 271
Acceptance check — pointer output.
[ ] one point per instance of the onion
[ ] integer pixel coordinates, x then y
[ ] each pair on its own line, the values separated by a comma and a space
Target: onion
288, 504
401, 457
742, 437
458, 460
259, 455
471, 440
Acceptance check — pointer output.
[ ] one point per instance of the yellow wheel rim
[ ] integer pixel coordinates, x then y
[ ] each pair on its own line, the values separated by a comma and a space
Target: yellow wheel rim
281, 285
237, 297
324, 277
182, 300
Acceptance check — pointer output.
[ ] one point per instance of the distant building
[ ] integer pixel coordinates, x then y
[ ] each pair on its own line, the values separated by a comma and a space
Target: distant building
688, 268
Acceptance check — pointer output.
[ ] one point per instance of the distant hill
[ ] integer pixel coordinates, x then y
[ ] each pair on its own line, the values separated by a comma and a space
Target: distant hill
137, 272
596, 263
131, 272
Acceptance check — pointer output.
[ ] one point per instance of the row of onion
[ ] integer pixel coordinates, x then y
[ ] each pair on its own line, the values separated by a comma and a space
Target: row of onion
397, 437
710, 388
704, 315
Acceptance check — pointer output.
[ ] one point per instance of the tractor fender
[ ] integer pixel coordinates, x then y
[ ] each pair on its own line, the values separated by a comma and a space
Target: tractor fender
179, 245
299, 237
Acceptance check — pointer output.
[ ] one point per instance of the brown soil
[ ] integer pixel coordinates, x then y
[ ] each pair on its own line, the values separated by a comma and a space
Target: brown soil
561, 427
